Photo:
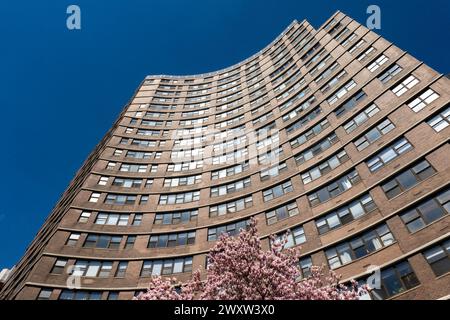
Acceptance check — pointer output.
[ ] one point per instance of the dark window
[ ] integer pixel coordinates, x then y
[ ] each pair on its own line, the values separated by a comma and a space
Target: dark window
427, 212
58, 267
407, 179
439, 258
396, 280
350, 103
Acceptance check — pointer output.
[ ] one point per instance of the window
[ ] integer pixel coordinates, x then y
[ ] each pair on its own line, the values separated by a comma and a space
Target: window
229, 122
177, 198
166, 266
263, 118
94, 197
305, 265
230, 188
103, 181
185, 166
190, 142
346, 214
92, 268
311, 133
438, 258
282, 213
190, 154
320, 65
292, 79
378, 63
113, 295
325, 167
182, 181
406, 84
45, 294
58, 267
124, 141
294, 237
359, 247
270, 157
230, 157
229, 171
231, 207
424, 99
229, 113
326, 74
330, 24
311, 51
139, 154
137, 219
295, 98
73, 239
125, 167
152, 123
120, 199
171, 240
341, 92
441, 121
388, 154
374, 134
350, 103
193, 113
156, 114
367, 54
361, 118
333, 82
191, 131
266, 129
130, 242
147, 143
268, 143
127, 183
390, 73
407, 179
277, 191
84, 217
117, 153
427, 212
112, 219
334, 189
110, 165
231, 229
302, 121
356, 46
304, 106
79, 295
176, 217
121, 270
102, 241
317, 149
395, 280
349, 40
273, 171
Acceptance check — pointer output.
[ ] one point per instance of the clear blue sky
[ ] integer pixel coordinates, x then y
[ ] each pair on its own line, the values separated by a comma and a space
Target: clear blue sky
61, 90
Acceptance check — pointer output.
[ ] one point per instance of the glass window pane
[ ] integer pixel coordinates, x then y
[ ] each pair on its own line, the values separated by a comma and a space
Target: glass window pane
407, 179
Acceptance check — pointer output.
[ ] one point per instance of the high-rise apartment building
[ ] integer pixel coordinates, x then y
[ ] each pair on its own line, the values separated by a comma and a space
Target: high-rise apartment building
334, 134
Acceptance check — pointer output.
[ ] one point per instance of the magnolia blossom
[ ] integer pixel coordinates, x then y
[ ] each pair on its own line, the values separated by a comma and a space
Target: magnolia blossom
238, 269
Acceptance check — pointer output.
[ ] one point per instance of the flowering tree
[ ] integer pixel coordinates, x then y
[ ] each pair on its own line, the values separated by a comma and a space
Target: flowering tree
239, 269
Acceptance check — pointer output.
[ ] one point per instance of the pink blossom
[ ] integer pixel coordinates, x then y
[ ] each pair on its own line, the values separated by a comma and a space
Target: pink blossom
239, 269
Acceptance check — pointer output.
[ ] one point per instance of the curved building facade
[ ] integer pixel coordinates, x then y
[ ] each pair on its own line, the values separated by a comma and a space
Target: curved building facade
334, 134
